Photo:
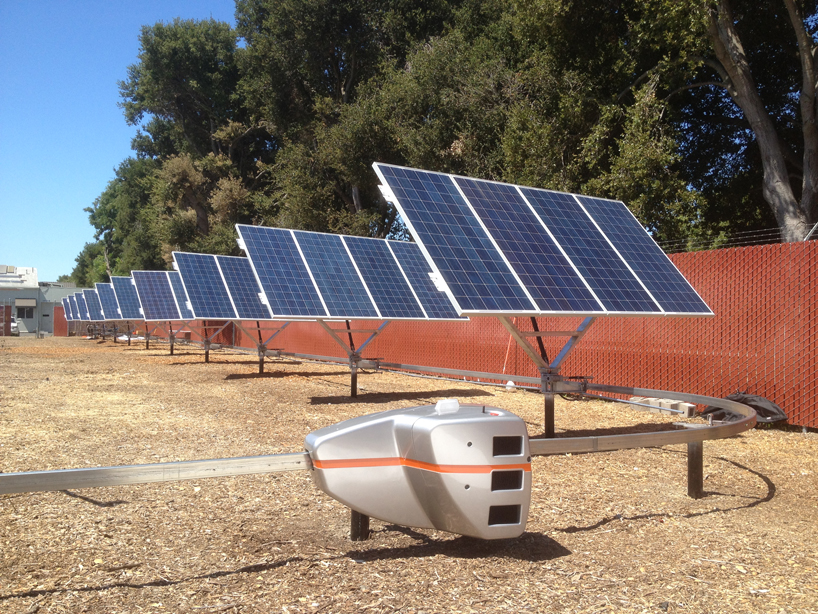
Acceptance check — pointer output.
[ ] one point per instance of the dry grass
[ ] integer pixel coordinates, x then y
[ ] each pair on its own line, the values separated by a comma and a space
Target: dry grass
606, 532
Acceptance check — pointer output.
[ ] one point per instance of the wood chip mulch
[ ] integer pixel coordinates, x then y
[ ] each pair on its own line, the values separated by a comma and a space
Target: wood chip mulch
606, 532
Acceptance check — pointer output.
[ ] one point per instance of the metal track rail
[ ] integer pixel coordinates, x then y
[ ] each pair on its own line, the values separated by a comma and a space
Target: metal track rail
564, 445
65, 479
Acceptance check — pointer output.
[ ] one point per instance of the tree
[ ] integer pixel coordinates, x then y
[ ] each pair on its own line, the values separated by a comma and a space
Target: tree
795, 215
185, 78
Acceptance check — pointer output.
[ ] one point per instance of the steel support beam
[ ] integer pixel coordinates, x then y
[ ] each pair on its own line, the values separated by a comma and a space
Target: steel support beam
66, 479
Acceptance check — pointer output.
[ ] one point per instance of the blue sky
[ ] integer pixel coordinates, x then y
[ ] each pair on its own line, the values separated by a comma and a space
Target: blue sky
61, 132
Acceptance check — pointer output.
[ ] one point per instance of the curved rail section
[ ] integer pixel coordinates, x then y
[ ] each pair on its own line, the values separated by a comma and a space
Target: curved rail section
606, 443
693, 435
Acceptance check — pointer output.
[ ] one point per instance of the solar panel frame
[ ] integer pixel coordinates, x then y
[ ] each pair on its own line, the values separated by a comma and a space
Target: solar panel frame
611, 279
177, 286
634, 299
205, 286
549, 277
335, 276
324, 259
281, 273
66, 307
243, 288
437, 304
82, 306
94, 306
479, 279
107, 299
127, 298
646, 259
384, 279
75, 310
156, 296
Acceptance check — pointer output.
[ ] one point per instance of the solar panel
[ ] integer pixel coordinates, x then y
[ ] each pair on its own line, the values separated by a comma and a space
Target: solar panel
543, 269
127, 298
383, 277
566, 254
603, 269
280, 271
205, 286
435, 303
156, 295
335, 275
243, 288
456, 244
311, 274
66, 306
93, 304
81, 306
660, 276
107, 298
75, 310
180, 295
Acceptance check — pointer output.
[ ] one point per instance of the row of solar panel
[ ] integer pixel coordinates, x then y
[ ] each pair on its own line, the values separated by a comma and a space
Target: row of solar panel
385, 280
121, 300
483, 248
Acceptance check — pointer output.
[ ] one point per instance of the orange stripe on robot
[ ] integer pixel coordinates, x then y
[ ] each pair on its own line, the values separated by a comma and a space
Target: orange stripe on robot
349, 463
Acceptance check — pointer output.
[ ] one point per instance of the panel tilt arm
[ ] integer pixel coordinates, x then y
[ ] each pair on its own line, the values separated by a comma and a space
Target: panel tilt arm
549, 371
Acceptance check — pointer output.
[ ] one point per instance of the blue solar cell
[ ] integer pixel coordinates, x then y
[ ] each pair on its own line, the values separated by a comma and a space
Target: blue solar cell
435, 303
66, 306
662, 279
178, 288
205, 286
126, 298
155, 295
281, 271
243, 288
335, 275
75, 310
545, 272
83, 308
383, 277
477, 276
593, 256
107, 298
93, 304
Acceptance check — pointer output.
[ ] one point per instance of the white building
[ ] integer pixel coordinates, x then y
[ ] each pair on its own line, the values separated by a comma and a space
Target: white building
32, 301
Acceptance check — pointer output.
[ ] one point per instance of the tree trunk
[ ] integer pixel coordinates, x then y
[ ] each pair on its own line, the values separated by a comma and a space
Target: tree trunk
776, 186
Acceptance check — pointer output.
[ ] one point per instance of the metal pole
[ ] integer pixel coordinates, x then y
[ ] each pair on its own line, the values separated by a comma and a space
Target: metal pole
359, 526
207, 350
353, 367
549, 429
695, 469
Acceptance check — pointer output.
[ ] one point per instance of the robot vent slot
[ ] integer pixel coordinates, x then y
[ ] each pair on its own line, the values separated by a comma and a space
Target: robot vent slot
507, 480
508, 446
504, 514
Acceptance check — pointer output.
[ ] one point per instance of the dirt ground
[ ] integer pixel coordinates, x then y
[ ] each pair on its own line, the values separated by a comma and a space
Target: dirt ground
606, 532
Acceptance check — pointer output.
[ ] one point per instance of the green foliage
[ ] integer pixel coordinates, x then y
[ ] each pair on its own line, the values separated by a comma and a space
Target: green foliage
607, 98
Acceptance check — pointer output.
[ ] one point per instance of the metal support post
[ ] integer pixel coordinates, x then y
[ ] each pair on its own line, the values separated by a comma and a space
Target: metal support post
695, 469
353, 368
548, 376
359, 526
207, 350
262, 350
